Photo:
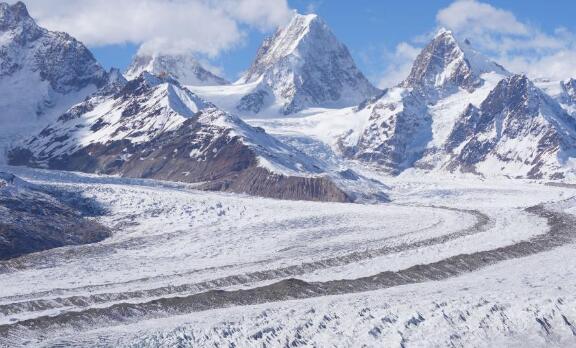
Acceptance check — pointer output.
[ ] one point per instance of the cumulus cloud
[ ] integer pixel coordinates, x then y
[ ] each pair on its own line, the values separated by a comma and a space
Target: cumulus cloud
171, 26
519, 46
499, 34
398, 64
470, 15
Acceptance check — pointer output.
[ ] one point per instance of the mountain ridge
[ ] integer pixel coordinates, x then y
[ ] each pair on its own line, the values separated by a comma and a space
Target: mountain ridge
182, 67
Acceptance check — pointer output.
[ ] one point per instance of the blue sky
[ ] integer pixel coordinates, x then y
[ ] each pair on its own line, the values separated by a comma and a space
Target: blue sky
383, 36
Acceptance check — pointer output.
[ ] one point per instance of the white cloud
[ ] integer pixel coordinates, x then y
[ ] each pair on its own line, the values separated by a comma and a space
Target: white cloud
519, 46
171, 26
398, 64
499, 34
471, 15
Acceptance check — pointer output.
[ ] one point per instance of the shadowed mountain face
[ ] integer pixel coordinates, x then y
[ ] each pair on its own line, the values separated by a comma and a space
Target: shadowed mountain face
153, 127
33, 220
305, 65
42, 73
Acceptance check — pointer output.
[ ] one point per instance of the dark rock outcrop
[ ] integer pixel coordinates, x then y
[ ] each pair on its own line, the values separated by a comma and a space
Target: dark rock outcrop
32, 220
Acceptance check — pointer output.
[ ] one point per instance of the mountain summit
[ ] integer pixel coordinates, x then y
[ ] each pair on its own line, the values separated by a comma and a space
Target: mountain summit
461, 112
304, 65
42, 73
446, 64
184, 68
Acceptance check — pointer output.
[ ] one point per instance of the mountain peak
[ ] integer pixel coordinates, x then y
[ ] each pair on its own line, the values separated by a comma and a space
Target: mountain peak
570, 87
305, 65
288, 41
516, 92
443, 32
13, 16
17, 11
182, 67
446, 64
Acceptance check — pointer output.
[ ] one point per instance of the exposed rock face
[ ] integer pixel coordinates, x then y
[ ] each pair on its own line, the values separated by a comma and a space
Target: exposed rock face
153, 127
446, 65
183, 68
42, 73
569, 96
517, 130
305, 65
570, 88
255, 101
400, 124
397, 132
32, 220
458, 111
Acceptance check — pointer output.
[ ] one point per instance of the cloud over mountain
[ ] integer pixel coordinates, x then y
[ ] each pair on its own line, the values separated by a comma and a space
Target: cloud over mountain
202, 26
519, 45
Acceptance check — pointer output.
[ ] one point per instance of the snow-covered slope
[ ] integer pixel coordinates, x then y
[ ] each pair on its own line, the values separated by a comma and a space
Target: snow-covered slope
564, 92
447, 65
184, 68
452, 263
459, 111
517, 131
42, 73
412, 121
303, 65
152, 127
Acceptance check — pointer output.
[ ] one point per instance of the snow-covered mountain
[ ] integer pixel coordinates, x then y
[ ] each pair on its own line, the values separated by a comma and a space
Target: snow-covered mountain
517, 131
152, 127
304, 65
413, 119
42, 73
459, 111
564, 92
184, 68
447, 65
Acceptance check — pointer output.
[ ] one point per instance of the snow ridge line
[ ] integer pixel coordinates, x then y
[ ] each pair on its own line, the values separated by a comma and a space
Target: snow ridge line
562, 231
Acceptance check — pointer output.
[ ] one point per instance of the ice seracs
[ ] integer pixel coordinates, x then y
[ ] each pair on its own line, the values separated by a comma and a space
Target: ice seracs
42, 73
304, 65
152, 127
182, 67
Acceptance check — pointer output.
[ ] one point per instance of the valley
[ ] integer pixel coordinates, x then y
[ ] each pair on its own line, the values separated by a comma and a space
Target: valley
299, 205
183, 244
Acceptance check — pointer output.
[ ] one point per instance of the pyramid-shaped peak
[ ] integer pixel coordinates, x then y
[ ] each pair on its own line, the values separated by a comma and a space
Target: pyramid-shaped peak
447, 64
305, 19
12, 15
444, 32
303, 65
17, 10
302, 36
